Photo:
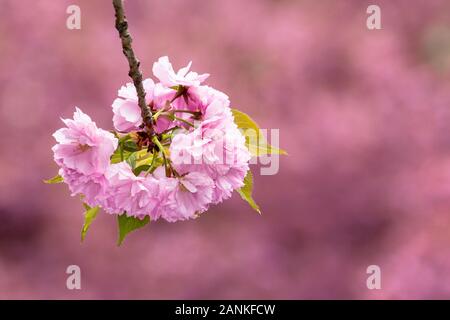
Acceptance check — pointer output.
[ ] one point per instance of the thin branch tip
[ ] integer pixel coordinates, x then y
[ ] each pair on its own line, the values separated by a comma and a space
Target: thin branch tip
135, 74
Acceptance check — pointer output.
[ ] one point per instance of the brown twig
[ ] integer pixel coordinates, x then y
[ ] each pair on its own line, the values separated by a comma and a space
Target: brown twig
134, 73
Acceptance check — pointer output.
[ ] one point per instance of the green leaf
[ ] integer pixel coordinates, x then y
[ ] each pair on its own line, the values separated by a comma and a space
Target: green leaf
140, 169
258, 144
55, 179
118, 154
124, 150
139, 160
143, 158
89, 216
124, 137
131, 160
130, 145
246, 191
129, 224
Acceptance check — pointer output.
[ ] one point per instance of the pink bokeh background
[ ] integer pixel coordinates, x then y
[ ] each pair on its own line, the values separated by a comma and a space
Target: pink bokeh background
364, 115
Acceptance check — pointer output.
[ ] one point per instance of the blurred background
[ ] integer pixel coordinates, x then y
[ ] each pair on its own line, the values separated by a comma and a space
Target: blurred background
364, 115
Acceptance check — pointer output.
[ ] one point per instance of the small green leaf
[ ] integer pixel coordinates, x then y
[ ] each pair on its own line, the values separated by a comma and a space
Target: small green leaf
143, 157
55, 179
125, 149
258, 145
129, 224
138, 160
246, 191
130, 145
140, 169
124, 138
89, 216
132, 160
118, 154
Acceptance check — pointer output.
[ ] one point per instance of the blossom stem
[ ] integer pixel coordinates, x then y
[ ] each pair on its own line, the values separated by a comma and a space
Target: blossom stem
184, 121
195, 113
157, 114
121, 152
134, 73
171, 129
163, 152
154, 156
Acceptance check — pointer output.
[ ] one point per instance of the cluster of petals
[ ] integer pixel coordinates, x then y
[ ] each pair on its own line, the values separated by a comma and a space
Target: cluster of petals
83, 153
207, 150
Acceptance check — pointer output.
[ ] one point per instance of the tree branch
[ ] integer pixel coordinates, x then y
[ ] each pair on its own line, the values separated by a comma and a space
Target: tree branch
133, 62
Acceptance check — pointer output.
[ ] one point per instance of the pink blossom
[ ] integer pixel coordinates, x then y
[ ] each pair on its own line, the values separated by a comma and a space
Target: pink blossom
161, 100
205, 95
230, 170
189, 148
161, 95
221, 154
163, 70
210, 157
187, 196
213, 105
127, 114
91, 187
217, 116
82, 146
137, 196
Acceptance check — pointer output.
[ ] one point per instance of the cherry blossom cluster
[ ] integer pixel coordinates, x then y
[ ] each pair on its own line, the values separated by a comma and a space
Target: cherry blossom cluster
193, 156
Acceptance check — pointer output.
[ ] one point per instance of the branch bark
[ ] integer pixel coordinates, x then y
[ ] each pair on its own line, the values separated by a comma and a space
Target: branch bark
133, 62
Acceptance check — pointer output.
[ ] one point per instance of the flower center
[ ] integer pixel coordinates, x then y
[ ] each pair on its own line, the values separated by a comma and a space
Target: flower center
83, 147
